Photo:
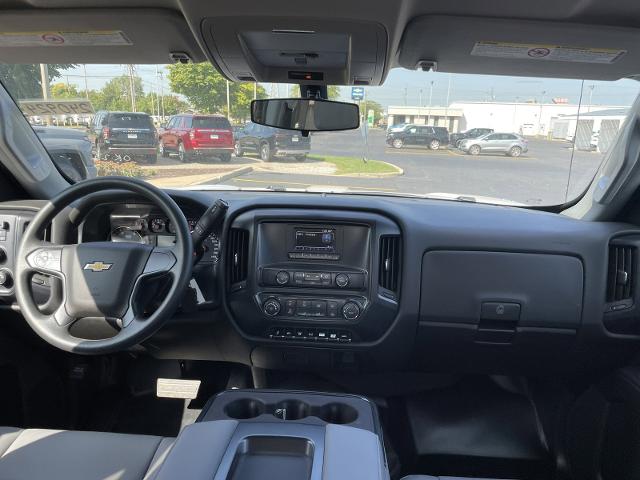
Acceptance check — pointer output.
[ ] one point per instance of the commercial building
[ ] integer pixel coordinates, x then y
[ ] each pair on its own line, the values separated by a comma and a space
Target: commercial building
530, 119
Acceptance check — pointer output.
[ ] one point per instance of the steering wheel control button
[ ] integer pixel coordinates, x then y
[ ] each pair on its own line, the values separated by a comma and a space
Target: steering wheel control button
271, 307
342, 280
46, 259
350, 311
282, 277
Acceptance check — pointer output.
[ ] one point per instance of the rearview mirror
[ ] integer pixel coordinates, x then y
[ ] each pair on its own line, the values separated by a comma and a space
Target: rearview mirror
305, 114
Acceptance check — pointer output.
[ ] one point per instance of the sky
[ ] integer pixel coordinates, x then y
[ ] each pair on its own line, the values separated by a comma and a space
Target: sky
407, 87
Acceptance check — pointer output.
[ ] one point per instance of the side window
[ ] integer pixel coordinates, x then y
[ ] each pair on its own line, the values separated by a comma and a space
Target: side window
187, 122
508, 136
413, 130
495, 136
172, 122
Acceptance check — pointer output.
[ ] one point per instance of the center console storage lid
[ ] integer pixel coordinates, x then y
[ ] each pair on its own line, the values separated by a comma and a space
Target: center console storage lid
280, 434
198, 451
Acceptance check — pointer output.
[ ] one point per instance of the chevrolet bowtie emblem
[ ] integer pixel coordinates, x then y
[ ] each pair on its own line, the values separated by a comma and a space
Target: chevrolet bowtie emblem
98, 266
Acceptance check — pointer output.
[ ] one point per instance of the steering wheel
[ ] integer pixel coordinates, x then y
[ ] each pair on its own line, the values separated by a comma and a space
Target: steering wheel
102, 279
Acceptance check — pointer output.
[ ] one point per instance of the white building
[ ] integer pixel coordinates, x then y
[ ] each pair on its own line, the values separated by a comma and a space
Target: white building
524, 118
594, 129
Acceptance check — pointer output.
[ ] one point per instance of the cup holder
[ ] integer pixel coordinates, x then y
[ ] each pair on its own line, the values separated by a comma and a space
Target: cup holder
338, 413
244, 409
291, 410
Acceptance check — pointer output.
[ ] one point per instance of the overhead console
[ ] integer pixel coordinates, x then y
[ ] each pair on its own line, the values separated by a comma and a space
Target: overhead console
313, 277
297, 50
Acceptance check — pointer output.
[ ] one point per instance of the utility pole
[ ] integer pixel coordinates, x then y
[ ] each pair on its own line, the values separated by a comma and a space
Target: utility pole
430, 98
228, 102
446, 111
591, 89
156, 89
86, 86
255, 90
44, 82
162, 93
132, 89
405, 96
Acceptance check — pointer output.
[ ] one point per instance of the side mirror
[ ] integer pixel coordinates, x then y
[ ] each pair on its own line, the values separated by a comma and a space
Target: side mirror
70, 163
305, 114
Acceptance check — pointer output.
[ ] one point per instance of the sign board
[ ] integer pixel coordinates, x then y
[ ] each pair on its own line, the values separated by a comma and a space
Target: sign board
36, 108
357, 93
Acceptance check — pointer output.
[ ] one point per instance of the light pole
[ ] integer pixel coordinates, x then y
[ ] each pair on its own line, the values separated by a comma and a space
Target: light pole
591, 89
430, 98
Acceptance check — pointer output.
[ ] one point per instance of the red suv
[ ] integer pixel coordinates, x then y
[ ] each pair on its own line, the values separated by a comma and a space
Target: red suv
190, 136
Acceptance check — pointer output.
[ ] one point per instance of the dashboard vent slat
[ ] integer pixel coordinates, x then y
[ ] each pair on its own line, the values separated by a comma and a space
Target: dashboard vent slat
389, 268
237, 255
621, 273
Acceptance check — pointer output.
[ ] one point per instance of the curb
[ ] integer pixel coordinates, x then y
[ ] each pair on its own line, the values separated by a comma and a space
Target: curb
189, 181
221, 178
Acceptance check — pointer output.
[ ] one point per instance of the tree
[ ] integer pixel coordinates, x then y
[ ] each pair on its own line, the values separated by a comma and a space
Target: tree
378, 110
23, 81
172, 104
206, 90
242, 95
201, 84
62, 90
334, 92
116, 94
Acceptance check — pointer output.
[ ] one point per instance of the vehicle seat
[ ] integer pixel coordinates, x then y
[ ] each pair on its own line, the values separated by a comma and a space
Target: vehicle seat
36, 454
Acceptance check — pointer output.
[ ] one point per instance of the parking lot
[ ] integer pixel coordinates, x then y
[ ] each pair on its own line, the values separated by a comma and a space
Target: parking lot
542, 176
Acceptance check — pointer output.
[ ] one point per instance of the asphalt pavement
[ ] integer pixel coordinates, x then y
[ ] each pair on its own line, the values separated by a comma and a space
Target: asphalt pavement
549, 173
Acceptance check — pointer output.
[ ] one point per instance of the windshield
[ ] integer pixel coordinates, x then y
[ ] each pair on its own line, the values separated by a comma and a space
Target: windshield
495, 139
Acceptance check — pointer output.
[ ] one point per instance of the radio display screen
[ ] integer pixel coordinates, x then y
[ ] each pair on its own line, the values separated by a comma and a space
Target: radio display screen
316, 239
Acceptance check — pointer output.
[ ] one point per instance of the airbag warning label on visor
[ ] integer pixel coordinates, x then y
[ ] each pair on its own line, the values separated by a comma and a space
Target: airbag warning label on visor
556, 53
100, 38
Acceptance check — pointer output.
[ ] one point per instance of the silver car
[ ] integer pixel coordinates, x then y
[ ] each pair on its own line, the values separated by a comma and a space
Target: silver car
507, 143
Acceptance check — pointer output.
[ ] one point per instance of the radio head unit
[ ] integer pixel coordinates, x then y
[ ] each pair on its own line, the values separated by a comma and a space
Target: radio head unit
315, 240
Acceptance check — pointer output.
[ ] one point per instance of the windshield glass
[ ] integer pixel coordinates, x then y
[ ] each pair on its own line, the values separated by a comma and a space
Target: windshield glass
494, 139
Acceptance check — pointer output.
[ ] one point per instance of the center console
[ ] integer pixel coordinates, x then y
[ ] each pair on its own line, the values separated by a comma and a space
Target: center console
312, 278
258, 434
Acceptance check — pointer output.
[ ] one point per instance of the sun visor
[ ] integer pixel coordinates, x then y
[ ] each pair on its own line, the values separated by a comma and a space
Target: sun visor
297, 50
520, 47
95, 36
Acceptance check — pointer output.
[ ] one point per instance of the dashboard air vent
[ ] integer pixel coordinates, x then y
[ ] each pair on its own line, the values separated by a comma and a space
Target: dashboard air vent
621, 272
390, 260
237, 255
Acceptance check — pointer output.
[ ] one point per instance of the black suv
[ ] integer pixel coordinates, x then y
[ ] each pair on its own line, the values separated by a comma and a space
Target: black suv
456, 138
269, 142
419, 135
124, 136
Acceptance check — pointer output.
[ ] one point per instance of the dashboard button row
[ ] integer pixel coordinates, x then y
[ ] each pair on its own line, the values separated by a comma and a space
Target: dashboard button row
309, 334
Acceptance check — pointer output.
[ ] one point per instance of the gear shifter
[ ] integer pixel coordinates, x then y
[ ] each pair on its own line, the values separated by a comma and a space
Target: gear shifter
206, 224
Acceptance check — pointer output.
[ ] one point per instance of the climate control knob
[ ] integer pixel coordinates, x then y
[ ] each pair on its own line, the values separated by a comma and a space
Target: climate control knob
350, 311
342, 280
271, 307
282, 277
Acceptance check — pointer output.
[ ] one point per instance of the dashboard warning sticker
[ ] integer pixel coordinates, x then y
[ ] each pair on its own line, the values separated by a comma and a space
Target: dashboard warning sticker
556, 53
98, 38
